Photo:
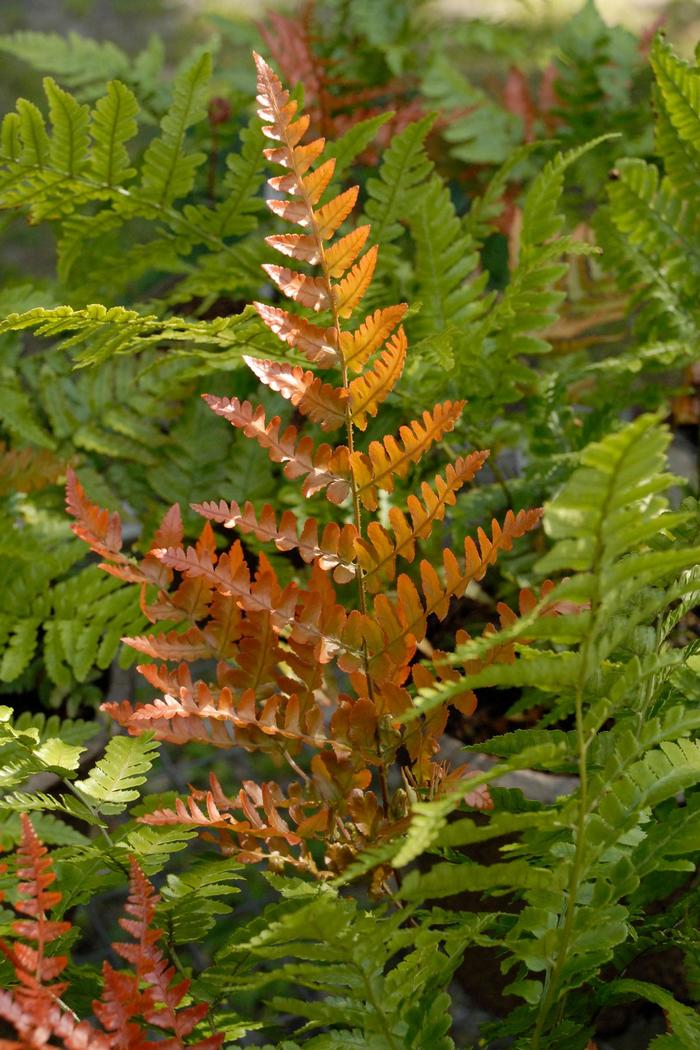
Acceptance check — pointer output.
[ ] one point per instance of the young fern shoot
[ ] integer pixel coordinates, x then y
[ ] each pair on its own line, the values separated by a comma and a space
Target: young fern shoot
276, 646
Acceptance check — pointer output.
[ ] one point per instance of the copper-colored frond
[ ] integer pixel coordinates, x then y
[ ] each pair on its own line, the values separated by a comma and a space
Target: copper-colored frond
311, 292
323, 468
97, 527
222, 718
333, 550
321, 402
333, 214
341, 255
173, 645
299, 246
317, 344
378, 551
357, 347
386, 459
348, 293
369, 390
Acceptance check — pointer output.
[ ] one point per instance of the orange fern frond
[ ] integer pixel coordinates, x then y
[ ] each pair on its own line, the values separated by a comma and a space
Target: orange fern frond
322, 467
222, 718
99, 528
253, 816
369, 390
341, 255
391, 634
377, 552
230, 574
173, 645
317, 344
391, 458
321, 402
334, 549
348, 294
276, 645
357, 347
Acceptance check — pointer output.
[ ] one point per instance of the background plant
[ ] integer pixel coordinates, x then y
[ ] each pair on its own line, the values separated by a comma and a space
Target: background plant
548, 348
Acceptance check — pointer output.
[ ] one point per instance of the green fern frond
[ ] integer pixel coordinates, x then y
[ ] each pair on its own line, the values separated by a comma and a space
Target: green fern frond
114, 779
447, 285
100, 332
404, 167
168, 171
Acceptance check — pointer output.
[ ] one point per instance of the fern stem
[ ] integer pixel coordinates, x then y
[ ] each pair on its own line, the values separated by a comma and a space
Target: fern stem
553, 978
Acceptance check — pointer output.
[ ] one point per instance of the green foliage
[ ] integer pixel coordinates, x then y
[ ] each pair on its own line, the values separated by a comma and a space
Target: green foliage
541, 221
582, 864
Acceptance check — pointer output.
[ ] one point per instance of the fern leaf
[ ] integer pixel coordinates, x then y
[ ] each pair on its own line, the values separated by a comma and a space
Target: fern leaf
384, 460
404, 167
308, 291
113, 124
321, 402
349, 292
322, 468
378, 551
316, 343
168, 171
446, 257
369, 390
679, 102
113, 781
334, 549
97, 527
357, 347
222, 719
69, 143
76, 60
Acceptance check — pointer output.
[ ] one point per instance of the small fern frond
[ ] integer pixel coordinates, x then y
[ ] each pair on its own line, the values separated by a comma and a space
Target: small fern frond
113, 124
391, 458
112, 782
322, 467
321, 402
168, 172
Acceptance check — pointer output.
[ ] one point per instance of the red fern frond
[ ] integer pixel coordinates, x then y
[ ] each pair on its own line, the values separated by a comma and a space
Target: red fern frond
34, 968
35, 1030
159, 1003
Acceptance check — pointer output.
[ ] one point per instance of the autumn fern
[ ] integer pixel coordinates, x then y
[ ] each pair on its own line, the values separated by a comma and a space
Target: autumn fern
277, 645
145, 1000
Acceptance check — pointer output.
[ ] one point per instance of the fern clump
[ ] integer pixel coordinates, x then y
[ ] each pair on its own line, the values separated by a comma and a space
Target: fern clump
330, 595
277, 644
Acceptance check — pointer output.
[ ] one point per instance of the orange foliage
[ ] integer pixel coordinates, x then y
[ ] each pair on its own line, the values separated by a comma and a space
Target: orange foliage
279, 646
132, 1001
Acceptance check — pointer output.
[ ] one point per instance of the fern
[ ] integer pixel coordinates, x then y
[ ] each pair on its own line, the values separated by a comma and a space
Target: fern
356, 966
633, 748
133, 1002
249, 620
